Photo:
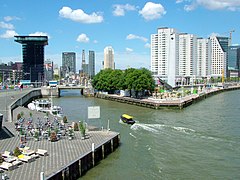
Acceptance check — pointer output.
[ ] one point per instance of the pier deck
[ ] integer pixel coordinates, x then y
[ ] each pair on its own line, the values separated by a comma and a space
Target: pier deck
61, 154
66, 158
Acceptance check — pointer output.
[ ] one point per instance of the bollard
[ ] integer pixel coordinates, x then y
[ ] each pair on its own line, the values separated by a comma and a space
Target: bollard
42, 176
1, 119
93, 155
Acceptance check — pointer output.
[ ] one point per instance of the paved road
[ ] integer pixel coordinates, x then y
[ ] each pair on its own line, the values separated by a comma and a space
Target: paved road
9, 96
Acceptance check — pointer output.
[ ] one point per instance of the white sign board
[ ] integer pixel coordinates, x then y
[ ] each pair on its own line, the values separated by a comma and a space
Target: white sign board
93, 112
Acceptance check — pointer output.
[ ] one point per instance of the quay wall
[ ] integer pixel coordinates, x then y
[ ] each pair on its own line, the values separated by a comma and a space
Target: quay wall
176, 104
34, 94
85, 162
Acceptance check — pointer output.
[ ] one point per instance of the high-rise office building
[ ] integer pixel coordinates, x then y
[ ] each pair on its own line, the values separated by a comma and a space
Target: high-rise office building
84, 64
164, 54
108, 58
219, 56
33, 56
68, 63
234, 61
91, 64
187, 62
233, 56
203, 57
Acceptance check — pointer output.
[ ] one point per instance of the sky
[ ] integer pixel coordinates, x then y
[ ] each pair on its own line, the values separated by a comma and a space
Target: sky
126, 25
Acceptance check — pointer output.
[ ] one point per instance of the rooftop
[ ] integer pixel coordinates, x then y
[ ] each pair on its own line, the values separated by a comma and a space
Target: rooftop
35, 39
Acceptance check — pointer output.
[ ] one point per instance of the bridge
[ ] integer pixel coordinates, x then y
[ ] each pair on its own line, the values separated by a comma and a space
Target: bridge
56, 91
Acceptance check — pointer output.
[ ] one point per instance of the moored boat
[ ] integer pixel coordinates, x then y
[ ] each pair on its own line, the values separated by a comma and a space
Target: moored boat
45, 105
125, 118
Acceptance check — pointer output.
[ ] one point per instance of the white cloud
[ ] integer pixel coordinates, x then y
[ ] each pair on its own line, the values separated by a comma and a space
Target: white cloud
39, 34
80, 16
83, 38
147, 45
129, 50
10, 18
132, 36
231, 5
119, 10
6, 25
152, 11
95, 41
9, 34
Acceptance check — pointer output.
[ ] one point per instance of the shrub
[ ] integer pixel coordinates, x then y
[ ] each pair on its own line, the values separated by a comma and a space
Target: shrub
82, 128
1, 158
18, 116
22, 114
53, 137
17, 152
65, 119
36, 134
75, 127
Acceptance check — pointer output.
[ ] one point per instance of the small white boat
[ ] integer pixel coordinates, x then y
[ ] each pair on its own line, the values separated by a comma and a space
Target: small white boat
45, 105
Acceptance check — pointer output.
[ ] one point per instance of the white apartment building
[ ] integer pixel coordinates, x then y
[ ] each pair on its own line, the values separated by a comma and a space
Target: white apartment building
181, 58
203, 57
164, 53
108, 58
219, 56
187, 62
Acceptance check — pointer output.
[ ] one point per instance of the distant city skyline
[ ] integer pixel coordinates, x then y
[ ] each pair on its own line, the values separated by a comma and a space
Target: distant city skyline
125, 25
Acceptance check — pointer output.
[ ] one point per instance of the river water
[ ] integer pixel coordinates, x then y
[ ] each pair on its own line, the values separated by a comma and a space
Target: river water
201, 141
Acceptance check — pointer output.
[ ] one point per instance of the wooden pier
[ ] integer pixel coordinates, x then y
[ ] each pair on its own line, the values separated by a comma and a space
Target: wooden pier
67, 159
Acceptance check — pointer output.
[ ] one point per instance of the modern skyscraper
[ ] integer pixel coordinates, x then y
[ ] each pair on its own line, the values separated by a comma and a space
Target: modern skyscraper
187, 63
84, 64
91, 64
33, 56
233, 57
69, 63
164, 54
203, 57
219, 56
108, 58
234, 60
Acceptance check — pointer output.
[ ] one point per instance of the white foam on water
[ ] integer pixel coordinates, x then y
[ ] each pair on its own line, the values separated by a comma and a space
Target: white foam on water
146, 127
132, 135
183, 129
156, 126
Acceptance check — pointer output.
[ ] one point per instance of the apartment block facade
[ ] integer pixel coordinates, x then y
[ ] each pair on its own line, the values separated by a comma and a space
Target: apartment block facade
182, 57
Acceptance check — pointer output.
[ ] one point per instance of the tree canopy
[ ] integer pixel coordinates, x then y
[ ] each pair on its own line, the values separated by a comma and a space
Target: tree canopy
130, 79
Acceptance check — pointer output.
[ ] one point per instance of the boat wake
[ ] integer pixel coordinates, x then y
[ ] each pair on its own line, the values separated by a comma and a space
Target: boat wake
147, 127
162, 128
157, 128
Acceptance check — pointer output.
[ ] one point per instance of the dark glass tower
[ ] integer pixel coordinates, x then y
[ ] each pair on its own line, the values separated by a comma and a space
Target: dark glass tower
91, 64
33, 56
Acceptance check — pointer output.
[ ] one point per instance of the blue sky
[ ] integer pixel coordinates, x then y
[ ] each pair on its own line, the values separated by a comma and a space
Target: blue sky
126, 25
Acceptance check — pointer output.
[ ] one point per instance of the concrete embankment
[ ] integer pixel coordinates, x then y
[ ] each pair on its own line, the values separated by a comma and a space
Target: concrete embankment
178, 103
23, 100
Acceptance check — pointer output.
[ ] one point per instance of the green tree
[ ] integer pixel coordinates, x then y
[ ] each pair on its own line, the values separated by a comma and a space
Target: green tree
56, 77
131, 79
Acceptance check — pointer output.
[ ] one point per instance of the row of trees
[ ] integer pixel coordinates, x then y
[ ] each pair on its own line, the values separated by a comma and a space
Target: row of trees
137, 80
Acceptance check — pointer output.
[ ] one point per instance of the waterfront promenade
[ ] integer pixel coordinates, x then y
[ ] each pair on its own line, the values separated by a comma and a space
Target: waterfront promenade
66, 158
168, 102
